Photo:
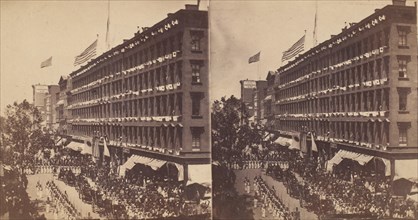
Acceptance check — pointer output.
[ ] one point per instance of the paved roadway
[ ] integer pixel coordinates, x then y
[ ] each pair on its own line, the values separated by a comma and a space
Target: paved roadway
82, 207
280, 190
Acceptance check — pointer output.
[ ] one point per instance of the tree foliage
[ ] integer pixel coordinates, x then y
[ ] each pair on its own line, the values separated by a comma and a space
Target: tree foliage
231, 131
21, 128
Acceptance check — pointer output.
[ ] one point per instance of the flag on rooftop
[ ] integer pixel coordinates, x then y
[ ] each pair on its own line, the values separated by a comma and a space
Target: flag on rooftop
47, 62
87, 54
296, 48
254, 58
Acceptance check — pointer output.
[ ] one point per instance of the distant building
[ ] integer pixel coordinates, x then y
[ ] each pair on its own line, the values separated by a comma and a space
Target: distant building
50, 102
39, 94
61, 109
269, 101
253, 93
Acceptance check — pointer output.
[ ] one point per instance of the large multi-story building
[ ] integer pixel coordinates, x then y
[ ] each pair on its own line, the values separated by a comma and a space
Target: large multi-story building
357, 91
149, 95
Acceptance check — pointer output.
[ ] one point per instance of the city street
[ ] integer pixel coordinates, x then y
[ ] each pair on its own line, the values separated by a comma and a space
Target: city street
72, 193
280, 189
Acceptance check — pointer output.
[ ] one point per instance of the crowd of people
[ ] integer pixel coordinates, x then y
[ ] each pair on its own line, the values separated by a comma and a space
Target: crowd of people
271, 206
141, 194
340, 192
62, 208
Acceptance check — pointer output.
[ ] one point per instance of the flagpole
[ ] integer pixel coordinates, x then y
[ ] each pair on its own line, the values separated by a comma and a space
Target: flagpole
315, 41
108, 26
258, 70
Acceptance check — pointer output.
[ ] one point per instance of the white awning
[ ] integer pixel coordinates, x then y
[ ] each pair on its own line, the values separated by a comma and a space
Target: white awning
283, 141
200, 173
360, 158
334, 161
294, 144
86, 149
267, 98
60, 102
155, 163
407, 169
75, 146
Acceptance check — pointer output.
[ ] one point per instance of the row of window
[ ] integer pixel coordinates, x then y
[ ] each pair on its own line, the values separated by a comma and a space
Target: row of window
376, 69
170, 137
375, 132
367, 44
372, 100
171, 74
172, 43
163, 105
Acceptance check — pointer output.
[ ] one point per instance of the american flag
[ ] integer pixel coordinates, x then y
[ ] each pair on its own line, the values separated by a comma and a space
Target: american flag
294, 50
254, 58
87, 54
46, 63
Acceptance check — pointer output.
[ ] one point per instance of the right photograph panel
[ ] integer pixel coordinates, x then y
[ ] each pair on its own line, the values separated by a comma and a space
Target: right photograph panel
314, 109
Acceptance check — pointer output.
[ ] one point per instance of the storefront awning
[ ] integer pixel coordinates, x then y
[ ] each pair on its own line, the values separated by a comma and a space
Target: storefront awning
294, 145
285, 142
362, 159
267, 98
200, 173
407, 169
75, 146
86, 149
60, 102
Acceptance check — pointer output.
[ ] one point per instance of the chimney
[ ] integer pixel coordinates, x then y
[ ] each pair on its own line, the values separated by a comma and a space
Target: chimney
399, 2
192, 7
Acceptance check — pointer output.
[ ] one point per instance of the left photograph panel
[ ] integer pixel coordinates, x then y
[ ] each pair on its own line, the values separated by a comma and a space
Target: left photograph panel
105, 110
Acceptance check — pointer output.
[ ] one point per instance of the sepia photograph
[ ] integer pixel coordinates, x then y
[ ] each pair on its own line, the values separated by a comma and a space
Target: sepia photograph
105, 110
208, 109
314, 109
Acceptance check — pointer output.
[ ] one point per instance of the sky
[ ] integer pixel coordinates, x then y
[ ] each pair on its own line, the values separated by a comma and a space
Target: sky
33, 31
241, 29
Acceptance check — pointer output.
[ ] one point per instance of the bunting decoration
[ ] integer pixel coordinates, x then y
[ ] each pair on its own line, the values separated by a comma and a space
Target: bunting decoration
87, 54
254, 58
46, 63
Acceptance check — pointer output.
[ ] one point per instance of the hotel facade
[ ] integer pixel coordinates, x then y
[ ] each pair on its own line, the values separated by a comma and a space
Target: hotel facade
148, 97
355, 92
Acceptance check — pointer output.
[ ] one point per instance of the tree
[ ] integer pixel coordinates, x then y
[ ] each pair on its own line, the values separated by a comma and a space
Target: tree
231, 132
22, 121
